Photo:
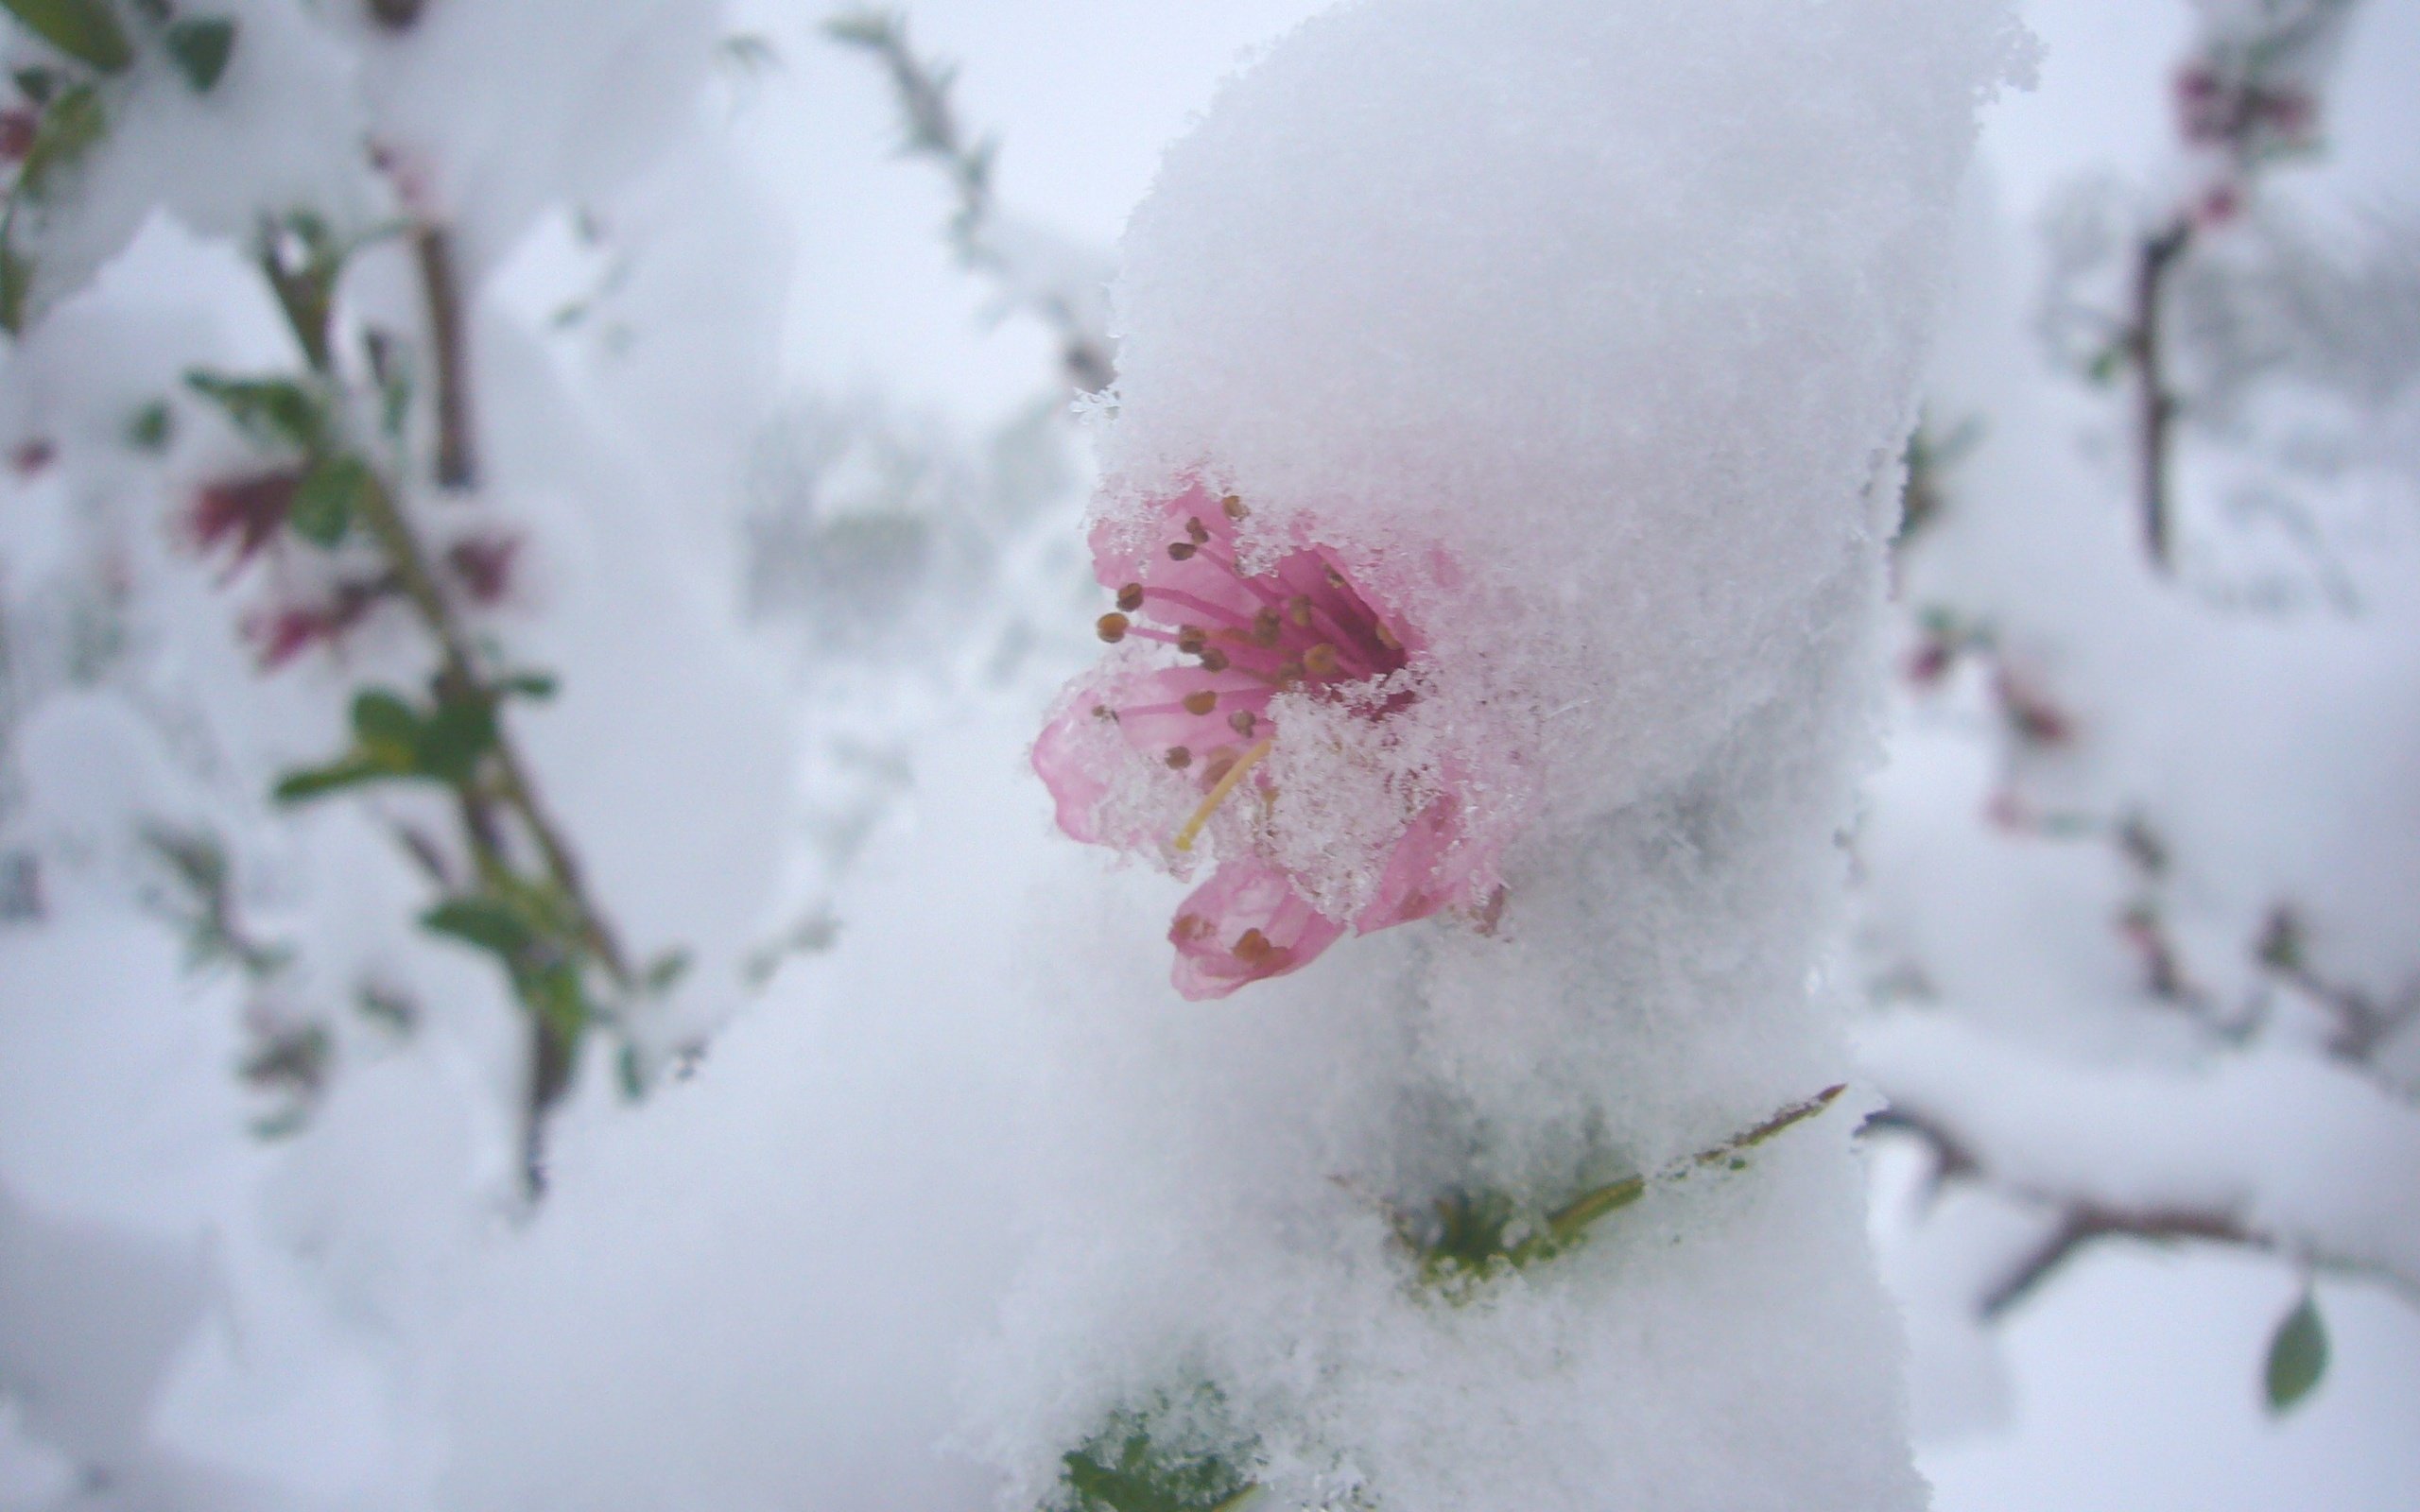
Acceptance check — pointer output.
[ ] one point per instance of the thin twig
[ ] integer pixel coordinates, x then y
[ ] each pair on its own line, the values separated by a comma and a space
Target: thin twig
456, 457
2084, 1219
933, 130
2155, 406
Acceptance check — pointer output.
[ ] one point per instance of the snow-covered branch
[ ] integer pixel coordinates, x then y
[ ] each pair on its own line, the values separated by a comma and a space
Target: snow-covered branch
2267, 1149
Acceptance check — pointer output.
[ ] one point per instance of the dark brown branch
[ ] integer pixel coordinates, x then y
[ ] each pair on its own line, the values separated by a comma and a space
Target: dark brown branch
396, 15
2081, 1223
458, 672
481, 804
457, 458
2155, 406
2082, 1220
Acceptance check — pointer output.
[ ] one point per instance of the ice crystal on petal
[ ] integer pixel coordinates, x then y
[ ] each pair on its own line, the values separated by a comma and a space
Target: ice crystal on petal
1293, 647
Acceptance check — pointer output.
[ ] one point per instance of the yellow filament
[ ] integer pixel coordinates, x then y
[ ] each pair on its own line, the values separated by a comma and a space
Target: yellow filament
1217, 795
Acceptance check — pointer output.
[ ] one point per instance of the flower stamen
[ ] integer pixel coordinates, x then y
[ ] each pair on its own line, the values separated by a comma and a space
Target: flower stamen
1217, 795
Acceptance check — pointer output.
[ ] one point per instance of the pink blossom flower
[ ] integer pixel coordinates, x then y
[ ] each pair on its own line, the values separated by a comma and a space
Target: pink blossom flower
280, 633
247, 512
1253, 644
483, 566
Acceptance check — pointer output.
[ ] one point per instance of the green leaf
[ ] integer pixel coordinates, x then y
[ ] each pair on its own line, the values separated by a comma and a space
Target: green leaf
201, 49
345, 771
394, 399
1143, 1462
860, 28
149, 428
328, 497
385, 727
70, 125
665, 972
272, 410
487, 923
37, 84
454, 738
16, 279
2297, 1356
554, 993
83, 29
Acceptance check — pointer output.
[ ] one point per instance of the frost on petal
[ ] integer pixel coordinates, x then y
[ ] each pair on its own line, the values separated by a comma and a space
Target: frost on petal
1247, 924
1434, 866
1285, 655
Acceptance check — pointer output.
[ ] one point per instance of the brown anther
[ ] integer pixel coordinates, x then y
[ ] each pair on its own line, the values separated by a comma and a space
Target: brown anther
1289, 672
1182, 550
1180, 758
1129, 598
1213, 659
1387, 638
1103, 711
1202, 702
1298, 609
1235, 507
1335, 578
1113, 628
1266, 628
1200, 533
1190, 639
1253, 947
1242, 722
1320, 661
1191, 926
1220, 766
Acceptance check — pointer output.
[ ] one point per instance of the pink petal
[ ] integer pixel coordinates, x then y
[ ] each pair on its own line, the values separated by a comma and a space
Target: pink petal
1068, 759
1247, 924
1152, 717
1433, 865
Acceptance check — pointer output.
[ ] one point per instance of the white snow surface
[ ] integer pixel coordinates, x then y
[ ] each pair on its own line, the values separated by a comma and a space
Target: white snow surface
1589, 331
1573, 324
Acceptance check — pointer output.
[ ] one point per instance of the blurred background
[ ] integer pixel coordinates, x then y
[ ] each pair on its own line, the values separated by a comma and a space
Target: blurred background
508, 510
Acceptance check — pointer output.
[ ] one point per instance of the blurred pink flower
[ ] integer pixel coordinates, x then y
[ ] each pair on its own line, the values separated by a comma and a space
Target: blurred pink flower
283, 632
483, 566
1302, 625
247, 512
